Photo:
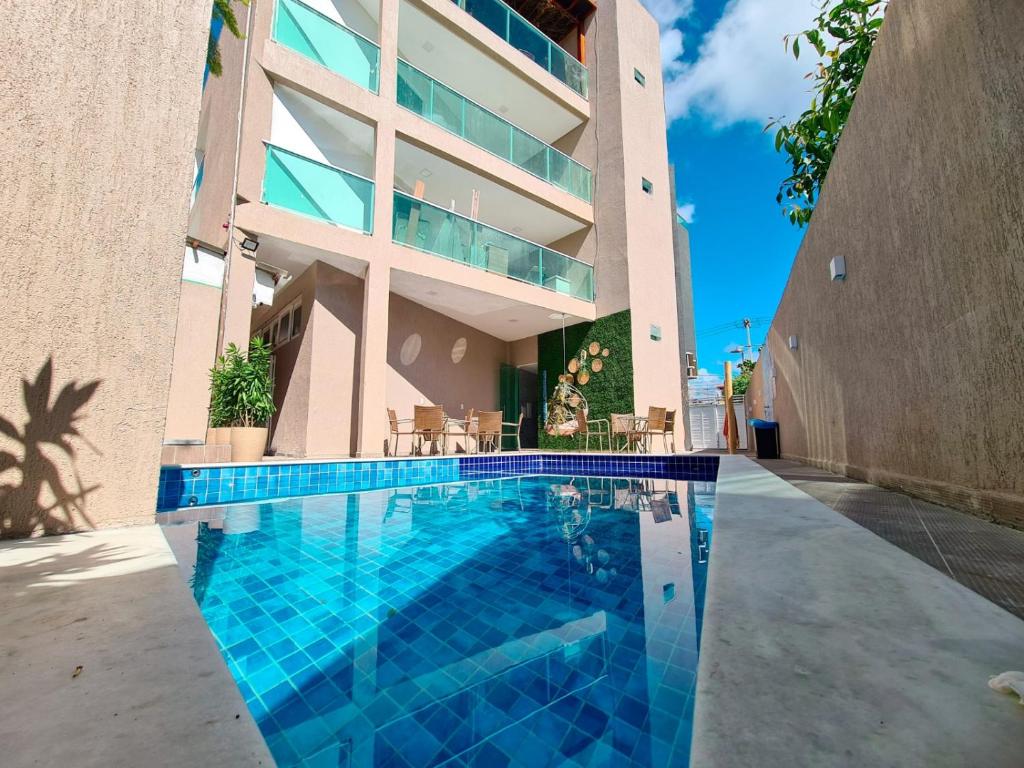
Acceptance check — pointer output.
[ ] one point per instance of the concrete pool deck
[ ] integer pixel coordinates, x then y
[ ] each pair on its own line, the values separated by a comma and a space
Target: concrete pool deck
824, 645
105, 659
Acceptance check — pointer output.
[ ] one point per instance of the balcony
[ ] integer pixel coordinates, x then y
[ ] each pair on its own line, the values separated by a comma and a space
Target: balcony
317, 189
522, 35
327, 42
426, 227
436, 102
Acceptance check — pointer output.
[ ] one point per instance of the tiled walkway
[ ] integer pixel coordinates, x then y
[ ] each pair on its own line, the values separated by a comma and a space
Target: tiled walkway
983, 556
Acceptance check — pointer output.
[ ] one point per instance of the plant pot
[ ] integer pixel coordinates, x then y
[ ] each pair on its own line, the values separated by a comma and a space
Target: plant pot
218, 435
248, 443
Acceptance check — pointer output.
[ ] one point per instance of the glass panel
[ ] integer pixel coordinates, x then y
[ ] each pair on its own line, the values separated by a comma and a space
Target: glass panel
560, 171
447, 106
530, 153
421, 225
528, 39
491, 13
487, 130
413, 89
327, 42
299, 184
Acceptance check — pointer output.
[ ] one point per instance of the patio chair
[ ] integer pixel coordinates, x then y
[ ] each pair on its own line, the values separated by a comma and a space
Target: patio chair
621, 426
429, 426
468, 426
643, 428
668, 428
488, 430
395, 425
598, 427
518, 433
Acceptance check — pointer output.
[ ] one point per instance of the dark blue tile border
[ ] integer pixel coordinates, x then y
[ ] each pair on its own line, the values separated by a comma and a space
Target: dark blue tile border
203, 486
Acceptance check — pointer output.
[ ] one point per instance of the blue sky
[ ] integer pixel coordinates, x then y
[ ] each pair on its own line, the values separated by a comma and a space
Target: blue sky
726, 74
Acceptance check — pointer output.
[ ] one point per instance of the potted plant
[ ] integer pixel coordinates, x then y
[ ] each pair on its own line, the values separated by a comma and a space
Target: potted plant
219, 430
249, 398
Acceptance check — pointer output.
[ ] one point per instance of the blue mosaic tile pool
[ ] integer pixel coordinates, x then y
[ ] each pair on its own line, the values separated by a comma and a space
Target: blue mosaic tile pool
508, 621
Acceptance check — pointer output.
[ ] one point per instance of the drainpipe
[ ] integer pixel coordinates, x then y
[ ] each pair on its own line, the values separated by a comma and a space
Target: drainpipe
222, 319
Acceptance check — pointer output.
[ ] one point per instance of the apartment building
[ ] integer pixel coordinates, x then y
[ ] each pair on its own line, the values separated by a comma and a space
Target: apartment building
405, 196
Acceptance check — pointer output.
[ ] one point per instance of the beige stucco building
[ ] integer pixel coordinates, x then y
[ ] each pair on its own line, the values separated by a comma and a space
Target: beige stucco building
431, 184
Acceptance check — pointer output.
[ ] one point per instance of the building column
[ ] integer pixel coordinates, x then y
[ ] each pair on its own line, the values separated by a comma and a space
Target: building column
373, 360
236, 299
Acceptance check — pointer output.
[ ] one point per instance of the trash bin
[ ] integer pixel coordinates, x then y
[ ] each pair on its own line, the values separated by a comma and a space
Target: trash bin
766, 438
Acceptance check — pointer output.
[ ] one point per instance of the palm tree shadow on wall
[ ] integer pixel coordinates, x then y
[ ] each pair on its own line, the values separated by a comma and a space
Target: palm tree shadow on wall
22, 508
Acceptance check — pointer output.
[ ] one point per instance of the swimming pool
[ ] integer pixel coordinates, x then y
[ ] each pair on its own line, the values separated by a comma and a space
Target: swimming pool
530, 620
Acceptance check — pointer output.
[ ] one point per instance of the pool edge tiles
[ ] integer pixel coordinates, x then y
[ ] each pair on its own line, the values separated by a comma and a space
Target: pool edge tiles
204, 485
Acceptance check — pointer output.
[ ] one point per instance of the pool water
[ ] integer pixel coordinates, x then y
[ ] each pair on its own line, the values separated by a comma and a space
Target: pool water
522, 621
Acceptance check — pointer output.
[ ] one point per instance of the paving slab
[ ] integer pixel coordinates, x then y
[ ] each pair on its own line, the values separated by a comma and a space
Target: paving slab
105, 660
825, 645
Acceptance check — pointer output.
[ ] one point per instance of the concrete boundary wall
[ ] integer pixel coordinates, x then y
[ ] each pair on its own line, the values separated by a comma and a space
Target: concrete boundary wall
909, 373
99, 108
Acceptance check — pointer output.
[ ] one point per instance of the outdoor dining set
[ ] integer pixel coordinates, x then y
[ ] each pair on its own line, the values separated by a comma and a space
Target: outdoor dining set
430, 430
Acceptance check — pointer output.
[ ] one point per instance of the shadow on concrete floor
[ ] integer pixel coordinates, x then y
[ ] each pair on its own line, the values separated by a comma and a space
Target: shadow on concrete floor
984, 557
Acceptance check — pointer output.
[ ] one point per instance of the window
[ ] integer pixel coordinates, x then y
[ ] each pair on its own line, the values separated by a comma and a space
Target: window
297, 320
647, 186
283, 328
639, 77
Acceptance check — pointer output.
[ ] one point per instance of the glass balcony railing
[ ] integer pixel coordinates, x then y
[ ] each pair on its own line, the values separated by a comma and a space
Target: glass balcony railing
418, 224
521, 34
327, 42
420, 93
316, 189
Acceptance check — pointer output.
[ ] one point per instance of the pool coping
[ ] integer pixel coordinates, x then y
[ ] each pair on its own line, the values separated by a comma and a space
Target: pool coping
823, 644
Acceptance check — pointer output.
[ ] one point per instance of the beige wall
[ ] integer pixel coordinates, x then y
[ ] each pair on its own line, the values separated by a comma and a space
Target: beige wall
98, 116
195, 345
317, 375
910, 372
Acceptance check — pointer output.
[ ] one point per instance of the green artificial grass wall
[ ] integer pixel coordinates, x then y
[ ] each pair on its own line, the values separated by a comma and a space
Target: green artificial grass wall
609, 390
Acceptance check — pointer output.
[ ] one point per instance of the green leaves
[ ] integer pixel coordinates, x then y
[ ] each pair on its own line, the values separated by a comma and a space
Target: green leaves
241, 388
810, 141
222, 11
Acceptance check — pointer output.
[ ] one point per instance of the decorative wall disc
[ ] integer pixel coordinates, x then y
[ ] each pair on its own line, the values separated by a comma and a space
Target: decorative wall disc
605, 352
584, 378
568, 378
574, 365
597, 365
594, 347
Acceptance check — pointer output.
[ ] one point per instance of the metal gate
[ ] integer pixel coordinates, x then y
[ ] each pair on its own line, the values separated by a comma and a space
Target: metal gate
707, 422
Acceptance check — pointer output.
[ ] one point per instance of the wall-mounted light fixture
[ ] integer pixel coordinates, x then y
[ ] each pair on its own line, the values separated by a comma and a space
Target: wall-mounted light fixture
837, 268
655, 333
794, 342
250, 244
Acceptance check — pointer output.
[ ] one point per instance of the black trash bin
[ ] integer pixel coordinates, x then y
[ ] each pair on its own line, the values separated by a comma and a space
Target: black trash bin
766, 438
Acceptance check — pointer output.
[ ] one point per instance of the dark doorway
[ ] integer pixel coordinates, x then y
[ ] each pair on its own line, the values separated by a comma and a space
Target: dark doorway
529, 404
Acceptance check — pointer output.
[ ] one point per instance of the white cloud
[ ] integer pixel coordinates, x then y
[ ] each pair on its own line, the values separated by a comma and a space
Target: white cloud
686, 212
742, 72
668, 12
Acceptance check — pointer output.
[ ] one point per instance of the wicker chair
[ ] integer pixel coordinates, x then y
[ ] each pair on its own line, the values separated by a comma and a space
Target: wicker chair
396, 431
667, 430
429, 426
654, 424
488, 430
598, 427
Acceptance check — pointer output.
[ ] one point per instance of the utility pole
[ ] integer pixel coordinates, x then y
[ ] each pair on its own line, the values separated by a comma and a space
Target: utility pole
750, 347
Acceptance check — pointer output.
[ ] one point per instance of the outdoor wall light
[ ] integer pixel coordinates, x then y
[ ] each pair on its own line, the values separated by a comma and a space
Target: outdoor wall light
794, 342
837, 268
655, 333
250, 244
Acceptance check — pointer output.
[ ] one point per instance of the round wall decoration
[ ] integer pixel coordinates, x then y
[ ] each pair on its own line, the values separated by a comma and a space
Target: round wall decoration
597, 365
568, 378
594, 347
584, 378
605, 352
574, 365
